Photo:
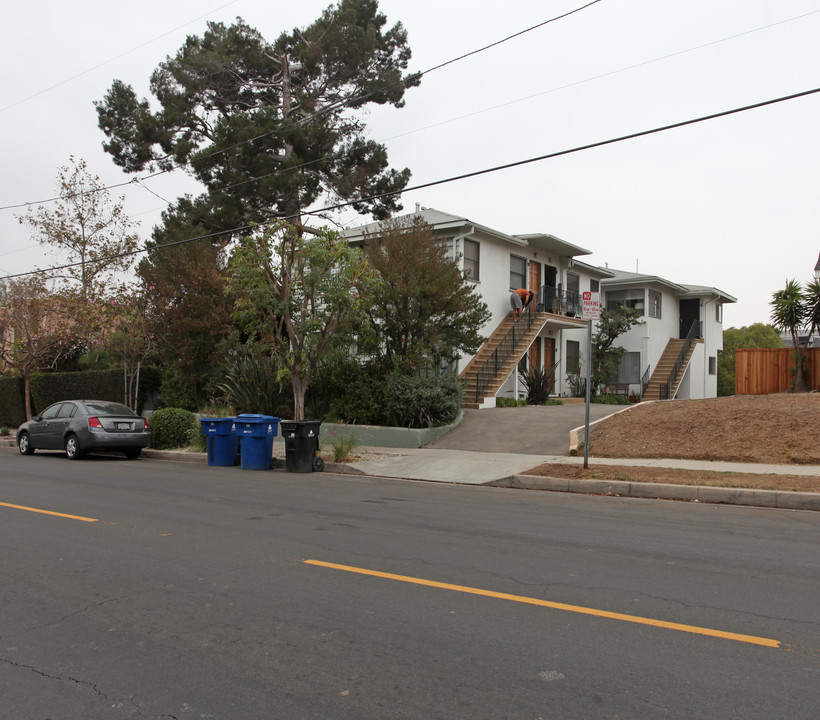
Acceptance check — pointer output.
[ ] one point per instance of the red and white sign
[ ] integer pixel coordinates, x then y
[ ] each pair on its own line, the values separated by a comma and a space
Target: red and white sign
591, 305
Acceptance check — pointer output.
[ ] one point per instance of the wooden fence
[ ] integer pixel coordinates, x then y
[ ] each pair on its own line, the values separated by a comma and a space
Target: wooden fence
760, 371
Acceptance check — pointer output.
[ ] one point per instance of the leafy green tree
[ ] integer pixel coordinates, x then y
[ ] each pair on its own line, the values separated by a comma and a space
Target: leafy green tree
267, 127
183, 283
425, 312
606, 356
91, 233
790, 313
37, 329
758, 335
300, 297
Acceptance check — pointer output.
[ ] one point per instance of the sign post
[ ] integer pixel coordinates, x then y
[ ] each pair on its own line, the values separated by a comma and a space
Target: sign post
590, 310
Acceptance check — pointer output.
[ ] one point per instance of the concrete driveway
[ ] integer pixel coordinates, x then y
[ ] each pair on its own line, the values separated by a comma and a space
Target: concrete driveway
528, 430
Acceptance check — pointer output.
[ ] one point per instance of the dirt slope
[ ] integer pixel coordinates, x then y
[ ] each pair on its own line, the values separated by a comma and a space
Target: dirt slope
779, 429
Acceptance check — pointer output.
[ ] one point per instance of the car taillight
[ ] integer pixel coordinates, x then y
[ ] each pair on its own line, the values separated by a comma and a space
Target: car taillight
146, 423
94, 422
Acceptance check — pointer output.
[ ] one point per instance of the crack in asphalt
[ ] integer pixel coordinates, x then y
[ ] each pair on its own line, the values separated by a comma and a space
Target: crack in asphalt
86, 683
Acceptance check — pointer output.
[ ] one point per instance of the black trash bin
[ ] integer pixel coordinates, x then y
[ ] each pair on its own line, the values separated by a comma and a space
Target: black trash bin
301, 443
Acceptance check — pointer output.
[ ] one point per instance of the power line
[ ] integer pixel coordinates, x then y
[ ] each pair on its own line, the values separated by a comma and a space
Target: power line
110, 60
333, 106
453, 178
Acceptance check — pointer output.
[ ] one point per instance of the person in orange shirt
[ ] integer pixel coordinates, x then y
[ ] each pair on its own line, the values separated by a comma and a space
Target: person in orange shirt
519, 299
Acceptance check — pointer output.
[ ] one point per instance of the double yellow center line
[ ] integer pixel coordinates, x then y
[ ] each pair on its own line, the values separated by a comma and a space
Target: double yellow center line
766, 642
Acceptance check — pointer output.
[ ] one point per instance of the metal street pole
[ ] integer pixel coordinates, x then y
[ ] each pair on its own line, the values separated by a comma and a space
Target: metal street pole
589, 384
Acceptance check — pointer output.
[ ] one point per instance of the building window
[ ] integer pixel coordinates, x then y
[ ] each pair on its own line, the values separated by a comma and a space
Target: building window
712, 365
629, 371
625, 298
518, 272
573, 357
654, 304
471, 259
594, 286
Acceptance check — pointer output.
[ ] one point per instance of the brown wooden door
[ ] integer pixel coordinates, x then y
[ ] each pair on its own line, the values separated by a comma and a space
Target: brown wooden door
535, 278
549, 360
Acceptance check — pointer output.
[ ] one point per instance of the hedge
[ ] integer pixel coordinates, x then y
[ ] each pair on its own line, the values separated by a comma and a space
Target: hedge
12, 402
47, 388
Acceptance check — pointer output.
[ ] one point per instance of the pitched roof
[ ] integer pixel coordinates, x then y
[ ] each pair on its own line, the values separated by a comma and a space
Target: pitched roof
623, 278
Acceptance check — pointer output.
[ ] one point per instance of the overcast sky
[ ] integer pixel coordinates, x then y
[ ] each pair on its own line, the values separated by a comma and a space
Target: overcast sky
730, 203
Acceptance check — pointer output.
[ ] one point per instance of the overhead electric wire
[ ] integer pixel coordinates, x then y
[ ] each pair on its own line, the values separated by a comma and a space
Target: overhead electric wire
453, 178
528, 97
110, 60
333, 106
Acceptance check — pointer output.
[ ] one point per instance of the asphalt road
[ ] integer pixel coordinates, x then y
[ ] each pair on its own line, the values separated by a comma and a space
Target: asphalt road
183, 591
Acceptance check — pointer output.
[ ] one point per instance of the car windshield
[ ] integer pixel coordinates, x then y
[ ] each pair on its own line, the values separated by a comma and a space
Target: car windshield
103, 407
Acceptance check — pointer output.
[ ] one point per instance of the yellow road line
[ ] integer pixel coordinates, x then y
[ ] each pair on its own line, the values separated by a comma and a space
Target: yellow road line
49, 512
766, 642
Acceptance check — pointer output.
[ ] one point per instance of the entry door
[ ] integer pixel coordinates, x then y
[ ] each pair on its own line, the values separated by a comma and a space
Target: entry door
549, 360
535, 277
689, 313
534, 354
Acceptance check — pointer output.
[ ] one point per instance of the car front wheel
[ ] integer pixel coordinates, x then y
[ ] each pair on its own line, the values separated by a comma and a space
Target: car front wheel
72, 448
24, 444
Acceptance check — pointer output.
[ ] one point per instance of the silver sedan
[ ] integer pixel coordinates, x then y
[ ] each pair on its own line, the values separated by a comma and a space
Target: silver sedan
81, 426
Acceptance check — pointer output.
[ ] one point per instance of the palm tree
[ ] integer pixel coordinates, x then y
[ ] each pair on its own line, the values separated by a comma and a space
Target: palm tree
790, 313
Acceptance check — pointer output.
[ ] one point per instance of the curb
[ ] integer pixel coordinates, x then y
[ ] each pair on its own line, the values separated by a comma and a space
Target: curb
665, 491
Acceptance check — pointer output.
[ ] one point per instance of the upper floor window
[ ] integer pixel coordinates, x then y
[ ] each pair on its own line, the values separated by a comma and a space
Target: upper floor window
471, 259
573, 288
518, 272
654, 304
627, 298
594, 286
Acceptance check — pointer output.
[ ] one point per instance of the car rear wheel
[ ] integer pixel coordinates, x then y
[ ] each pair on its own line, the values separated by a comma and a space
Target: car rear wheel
132, 453
24, 444
72, 448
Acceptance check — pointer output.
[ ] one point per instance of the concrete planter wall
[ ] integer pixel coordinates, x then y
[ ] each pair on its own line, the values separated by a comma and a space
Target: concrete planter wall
382, 436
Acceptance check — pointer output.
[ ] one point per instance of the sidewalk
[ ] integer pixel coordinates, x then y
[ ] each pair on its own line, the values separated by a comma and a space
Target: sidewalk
508, 470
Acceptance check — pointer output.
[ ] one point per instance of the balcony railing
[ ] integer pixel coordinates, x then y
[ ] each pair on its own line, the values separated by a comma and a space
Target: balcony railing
559, 301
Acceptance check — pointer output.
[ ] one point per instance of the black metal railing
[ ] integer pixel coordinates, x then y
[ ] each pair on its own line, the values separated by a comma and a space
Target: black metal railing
666, 390
491, 366
559, 301
645, 381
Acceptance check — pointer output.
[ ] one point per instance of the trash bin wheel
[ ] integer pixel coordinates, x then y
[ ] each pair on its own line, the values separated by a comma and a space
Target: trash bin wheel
318, 464
273, 462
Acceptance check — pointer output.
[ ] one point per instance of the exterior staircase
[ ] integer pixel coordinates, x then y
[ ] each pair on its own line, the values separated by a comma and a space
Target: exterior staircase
505, 366
656, 387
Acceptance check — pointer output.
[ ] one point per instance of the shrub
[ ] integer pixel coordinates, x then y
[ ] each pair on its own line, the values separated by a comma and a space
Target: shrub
509, 402
611, 400
172, 428
416, 402
177, 392
343, 444
538, 385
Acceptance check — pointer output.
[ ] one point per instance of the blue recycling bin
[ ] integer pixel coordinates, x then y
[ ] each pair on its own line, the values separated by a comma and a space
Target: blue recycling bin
222, 440
257, 433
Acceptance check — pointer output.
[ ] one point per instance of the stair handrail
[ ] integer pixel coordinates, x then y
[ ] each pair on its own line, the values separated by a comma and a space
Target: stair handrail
666, 390
645, 380
505, 347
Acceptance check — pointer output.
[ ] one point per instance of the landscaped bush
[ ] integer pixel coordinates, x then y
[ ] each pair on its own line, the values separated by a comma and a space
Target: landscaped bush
12, 410
177, 392
416, 402
509, 402
172, 428
538, 384
610, 399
